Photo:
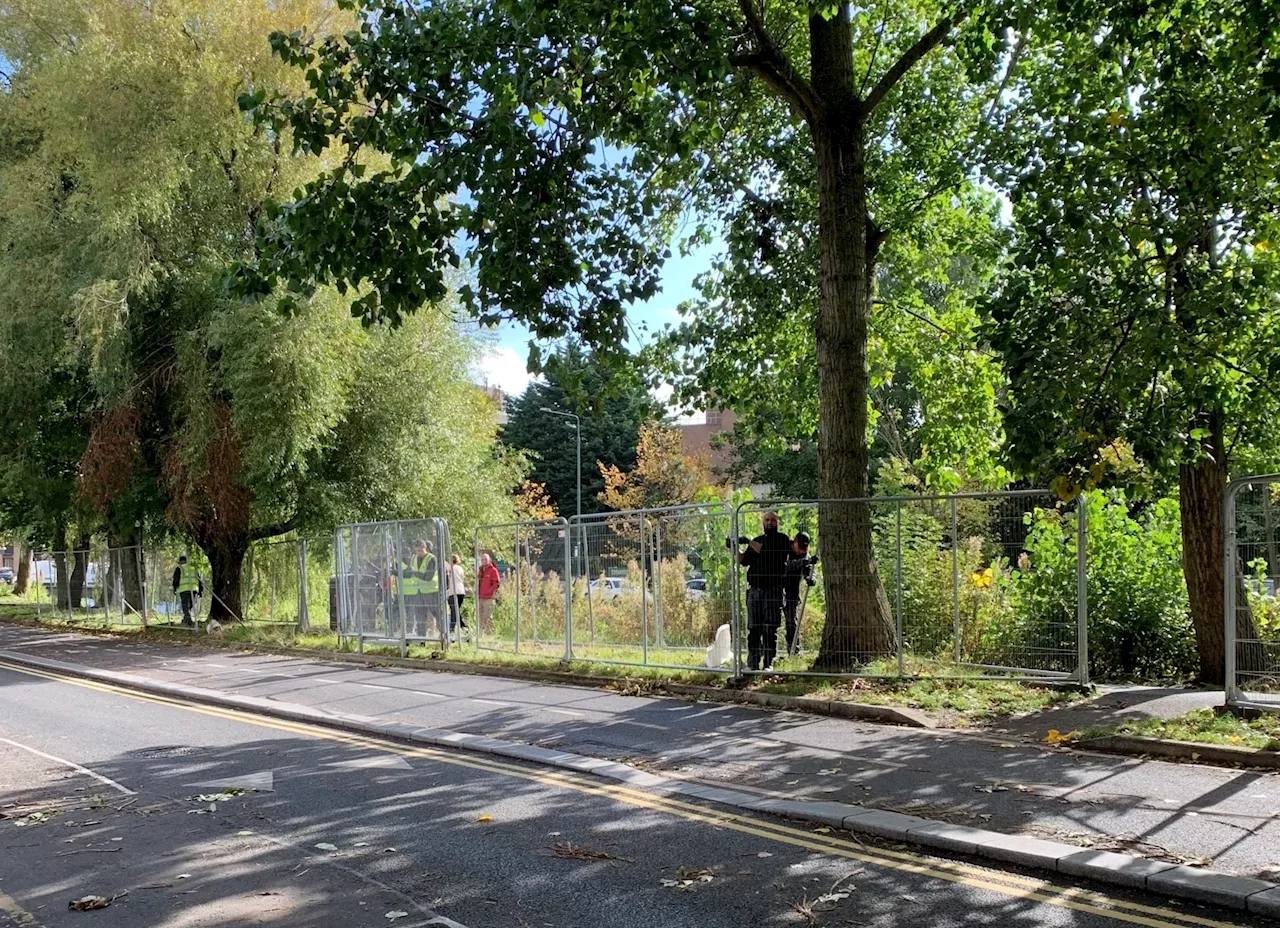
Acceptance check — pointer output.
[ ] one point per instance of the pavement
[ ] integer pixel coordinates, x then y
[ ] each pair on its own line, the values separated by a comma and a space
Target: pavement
1173, 812
187, 816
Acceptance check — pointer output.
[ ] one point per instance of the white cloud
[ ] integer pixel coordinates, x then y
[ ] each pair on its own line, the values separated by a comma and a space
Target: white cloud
504, 368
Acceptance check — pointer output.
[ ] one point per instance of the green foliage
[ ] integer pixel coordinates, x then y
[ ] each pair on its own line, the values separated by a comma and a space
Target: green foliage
1205, 726
1139, 146
612, 402
1139, 627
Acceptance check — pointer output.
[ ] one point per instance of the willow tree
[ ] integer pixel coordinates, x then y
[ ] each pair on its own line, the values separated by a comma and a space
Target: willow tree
131, 186
557, 146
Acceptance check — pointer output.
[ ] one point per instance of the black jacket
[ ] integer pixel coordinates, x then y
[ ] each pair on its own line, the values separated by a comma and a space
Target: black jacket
767, 568
797, 569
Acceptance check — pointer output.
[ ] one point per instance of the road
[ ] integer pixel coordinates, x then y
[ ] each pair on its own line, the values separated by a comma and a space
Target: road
1179, 812
124, 795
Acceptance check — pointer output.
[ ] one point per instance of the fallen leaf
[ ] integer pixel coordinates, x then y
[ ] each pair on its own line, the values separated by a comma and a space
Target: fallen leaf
394, 914
829, 772
243, 833
1008, 744
388, 850
485, 818
1056, 737
183, 876
361, 844
792, 782
824, 830
566, 850
832, 897
88, 903
326, 846
764, 854
117, 839
687, 878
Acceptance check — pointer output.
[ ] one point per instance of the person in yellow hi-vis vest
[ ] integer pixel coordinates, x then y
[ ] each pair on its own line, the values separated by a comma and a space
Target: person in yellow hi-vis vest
420, 588
187, 584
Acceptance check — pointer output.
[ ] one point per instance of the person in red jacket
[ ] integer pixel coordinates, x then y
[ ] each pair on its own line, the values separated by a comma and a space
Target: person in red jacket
487, 583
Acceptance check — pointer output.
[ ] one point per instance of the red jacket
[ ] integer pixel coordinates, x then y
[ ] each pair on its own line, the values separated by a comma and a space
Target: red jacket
488, 581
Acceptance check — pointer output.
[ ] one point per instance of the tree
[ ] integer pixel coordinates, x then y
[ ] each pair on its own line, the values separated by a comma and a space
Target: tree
123, 213
612, 402
1140, 147
559, 143
663, 476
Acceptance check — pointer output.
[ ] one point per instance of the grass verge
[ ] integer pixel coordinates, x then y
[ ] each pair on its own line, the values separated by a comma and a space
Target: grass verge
1203, 726
958, 699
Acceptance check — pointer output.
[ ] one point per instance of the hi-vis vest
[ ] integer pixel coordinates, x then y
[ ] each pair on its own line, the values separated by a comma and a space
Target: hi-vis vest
412, 586
188, 582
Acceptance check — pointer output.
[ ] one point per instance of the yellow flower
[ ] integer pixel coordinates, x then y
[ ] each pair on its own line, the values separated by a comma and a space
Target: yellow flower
984, 578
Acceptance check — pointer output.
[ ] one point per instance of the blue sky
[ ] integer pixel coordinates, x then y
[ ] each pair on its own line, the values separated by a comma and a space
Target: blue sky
504, 364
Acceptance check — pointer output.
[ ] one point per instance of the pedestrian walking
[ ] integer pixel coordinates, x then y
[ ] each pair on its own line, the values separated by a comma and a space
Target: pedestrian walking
487, 584
456, 590
187, 585
799, 569
765, 558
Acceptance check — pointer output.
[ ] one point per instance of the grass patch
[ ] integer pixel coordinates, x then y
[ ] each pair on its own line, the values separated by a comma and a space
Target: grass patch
1204, 726
960, 697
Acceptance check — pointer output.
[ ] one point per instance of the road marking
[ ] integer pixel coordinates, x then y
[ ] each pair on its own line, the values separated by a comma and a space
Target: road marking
576, 715
1010, 884
21, 916
491, 702
73, 765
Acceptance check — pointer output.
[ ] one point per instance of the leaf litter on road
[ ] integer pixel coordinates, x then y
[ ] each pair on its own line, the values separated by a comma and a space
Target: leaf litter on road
567, 850
687, 879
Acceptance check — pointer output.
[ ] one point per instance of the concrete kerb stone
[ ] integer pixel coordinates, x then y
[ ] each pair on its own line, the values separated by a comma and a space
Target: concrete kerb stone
1119, 869
1138, 746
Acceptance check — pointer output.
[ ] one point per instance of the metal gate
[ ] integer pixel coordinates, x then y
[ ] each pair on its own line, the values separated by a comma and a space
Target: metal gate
390, 582
939, 593
531, 613
1251, 573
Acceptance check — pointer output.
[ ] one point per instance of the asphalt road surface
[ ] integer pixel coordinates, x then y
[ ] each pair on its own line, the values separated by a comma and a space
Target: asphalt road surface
188, 816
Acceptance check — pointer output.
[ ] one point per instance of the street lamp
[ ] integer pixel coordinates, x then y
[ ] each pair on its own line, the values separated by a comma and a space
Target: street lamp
577, 422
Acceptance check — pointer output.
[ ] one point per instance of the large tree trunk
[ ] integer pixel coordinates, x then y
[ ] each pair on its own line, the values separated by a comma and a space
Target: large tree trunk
80, 560
22, 577
1202, 487
858, 623
226, 561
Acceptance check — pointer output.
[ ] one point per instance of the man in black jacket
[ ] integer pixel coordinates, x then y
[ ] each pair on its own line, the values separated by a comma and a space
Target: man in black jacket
799, 567
766, 561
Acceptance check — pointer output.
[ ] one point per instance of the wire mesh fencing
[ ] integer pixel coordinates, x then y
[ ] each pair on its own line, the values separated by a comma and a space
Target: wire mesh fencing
389, 579
529, 611
92, 585
288, 582
653, 587
1251, 620
959, 585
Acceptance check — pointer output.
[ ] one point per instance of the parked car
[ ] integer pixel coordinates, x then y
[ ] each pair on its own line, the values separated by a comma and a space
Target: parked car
7, 575
696, 588
612, 588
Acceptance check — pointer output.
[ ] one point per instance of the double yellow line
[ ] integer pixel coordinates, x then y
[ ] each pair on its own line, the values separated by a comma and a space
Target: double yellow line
1009, 884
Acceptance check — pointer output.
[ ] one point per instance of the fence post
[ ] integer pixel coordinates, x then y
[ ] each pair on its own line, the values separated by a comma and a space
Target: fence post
1230, 629
735, 609
1082, 589
644, 594
304, 619
568, 591
518, 563
955, 578
397, 547
658, 618
897, 609
142, 582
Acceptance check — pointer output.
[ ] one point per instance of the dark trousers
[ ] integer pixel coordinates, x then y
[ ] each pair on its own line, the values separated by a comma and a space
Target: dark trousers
764, 615
455, 612
188, 601
789, 610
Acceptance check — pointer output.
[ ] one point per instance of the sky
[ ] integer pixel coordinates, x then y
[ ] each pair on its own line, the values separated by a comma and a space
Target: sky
503, 365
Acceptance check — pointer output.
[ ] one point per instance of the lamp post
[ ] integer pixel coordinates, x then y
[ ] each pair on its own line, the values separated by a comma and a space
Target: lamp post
577, 423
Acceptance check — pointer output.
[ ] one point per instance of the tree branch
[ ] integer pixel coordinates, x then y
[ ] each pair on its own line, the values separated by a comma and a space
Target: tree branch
923, 45
769, 64
276, 528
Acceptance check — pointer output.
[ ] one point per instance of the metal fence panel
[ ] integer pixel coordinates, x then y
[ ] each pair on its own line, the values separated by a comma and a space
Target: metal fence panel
1251, 521
944, 589
530, 614
654, 587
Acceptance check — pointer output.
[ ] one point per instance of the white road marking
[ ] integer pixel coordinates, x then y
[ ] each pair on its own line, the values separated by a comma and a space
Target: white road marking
73, 765
491, 702
576, 715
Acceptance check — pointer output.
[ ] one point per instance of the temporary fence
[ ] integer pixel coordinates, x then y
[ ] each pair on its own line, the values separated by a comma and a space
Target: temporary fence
94, 585
654, 587
287, 582
390, 582
1251, 566
531, 612
909, 585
